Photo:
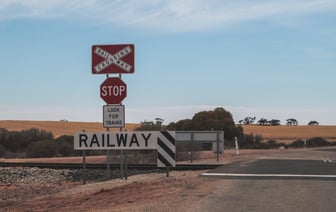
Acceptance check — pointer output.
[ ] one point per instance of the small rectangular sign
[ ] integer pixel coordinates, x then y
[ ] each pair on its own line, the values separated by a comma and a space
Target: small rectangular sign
113, 116
200, 136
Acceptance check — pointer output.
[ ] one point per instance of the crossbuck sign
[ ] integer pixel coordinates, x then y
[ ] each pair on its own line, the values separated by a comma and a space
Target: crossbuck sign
115, 59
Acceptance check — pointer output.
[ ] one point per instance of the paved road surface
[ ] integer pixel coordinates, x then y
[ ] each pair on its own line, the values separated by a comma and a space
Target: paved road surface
272, 195
276, 184
283, 169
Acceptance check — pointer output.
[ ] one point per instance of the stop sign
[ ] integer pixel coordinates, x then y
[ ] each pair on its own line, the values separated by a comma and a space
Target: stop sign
113, 90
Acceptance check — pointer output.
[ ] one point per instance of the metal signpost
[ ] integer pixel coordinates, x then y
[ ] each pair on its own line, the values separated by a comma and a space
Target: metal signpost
119, 59
113, 59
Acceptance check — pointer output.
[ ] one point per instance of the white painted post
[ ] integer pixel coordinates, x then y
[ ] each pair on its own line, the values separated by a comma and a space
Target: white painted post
237, 147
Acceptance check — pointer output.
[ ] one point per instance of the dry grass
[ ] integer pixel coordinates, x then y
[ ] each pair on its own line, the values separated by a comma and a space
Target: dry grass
59, 128
279, 133
290, 133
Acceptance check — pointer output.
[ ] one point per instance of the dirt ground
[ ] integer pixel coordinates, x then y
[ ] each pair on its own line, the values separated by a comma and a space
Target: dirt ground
181, 191
146, 192
151, 192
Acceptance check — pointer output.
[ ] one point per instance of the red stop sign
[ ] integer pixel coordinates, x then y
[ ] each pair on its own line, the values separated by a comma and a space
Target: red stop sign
113, 90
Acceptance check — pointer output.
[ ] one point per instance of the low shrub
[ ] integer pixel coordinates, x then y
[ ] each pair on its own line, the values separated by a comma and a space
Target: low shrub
42, 149
2, 150
317, 142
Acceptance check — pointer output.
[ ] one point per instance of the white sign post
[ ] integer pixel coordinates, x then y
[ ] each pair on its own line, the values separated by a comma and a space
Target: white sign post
113, 116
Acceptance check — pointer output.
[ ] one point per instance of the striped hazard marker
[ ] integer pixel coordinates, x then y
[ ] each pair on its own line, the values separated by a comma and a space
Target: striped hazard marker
166, 148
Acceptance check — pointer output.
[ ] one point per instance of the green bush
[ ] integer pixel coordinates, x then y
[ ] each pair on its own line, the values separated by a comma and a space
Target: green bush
65, 149
272, 144
317, 142
41, 149
297, 144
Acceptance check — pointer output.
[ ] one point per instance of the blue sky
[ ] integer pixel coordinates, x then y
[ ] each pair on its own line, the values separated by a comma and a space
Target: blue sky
269, 59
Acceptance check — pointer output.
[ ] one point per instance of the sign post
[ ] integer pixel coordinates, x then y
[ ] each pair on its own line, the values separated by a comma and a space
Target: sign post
113, 59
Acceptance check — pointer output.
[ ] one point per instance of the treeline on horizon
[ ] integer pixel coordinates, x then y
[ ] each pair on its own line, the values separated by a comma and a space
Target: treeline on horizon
35, 142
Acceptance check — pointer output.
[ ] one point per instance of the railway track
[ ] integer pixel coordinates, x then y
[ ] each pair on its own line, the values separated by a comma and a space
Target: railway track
104, 166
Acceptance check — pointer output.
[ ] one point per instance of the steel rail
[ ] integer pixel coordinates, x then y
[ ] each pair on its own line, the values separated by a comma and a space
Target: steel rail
112, 166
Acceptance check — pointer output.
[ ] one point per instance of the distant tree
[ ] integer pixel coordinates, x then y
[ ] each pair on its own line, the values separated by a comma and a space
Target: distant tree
182, 125
149, 126
218, 119
313, 123
274, 122
247, 120
263, 122
159, 121
292, 122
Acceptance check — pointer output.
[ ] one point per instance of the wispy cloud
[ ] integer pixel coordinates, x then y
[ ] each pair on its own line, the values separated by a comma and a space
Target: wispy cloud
173, 15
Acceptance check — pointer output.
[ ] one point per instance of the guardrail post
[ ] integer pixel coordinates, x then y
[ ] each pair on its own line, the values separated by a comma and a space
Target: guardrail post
237, 146
217, 143
191, 146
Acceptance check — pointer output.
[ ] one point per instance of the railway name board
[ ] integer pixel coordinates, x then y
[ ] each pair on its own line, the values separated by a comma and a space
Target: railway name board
163, 141
114, 140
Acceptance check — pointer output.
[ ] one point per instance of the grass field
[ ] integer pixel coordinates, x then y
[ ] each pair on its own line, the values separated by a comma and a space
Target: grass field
280, 133
288, 134
59, 128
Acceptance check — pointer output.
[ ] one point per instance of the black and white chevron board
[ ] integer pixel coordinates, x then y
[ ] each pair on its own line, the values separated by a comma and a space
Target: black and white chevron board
166, 149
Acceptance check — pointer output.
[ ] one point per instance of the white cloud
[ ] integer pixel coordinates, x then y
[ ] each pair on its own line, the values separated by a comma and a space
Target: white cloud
173, 15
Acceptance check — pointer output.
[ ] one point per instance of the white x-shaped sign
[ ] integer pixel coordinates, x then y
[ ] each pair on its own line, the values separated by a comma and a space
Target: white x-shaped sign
113, 59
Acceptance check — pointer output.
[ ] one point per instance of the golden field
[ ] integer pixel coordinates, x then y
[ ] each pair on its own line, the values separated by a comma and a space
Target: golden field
288, 134
59, 128
280, 133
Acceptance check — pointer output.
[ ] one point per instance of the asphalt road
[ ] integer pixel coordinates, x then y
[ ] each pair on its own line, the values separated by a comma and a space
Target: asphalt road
278, 169
274, 185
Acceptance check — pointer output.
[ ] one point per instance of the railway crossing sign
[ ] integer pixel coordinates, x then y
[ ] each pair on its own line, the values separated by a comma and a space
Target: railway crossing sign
113, 59
113, 90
